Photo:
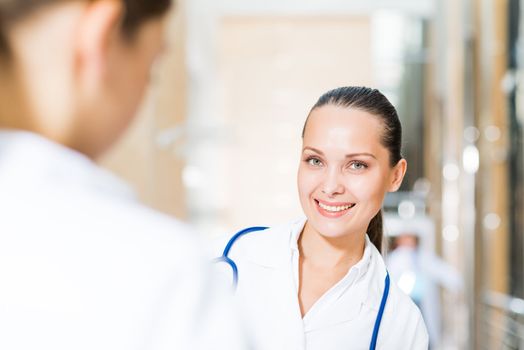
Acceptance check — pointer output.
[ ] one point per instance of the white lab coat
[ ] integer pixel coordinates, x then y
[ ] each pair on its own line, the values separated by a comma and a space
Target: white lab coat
267, 292
84, 266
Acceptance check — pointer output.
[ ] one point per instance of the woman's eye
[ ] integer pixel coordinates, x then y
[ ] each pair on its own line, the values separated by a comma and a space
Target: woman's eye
358, 166
314, 162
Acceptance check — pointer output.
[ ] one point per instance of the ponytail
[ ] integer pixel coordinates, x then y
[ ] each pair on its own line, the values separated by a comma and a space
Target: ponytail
375, 231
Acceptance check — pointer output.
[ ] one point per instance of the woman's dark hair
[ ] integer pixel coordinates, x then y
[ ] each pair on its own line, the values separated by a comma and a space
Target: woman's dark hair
136, 12
373, 102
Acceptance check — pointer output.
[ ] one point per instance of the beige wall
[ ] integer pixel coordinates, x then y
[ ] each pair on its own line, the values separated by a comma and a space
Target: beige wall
271, 71
155, 172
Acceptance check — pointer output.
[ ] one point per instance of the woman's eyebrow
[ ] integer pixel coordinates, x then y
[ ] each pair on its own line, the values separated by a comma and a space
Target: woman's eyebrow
351, 155
307, 148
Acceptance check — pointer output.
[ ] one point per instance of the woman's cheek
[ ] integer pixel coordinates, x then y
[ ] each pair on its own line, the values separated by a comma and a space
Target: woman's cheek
364, 187
307, 179
357, 184
303, 185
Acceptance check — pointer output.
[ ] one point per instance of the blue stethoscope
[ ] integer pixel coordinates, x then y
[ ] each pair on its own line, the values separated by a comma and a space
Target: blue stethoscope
230, 262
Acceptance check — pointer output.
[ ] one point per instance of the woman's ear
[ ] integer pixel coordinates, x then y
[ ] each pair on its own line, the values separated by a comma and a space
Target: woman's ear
397, 175
96, 29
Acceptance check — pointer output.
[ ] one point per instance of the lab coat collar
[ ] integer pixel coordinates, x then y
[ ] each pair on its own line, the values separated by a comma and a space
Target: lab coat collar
371, 269
28, 159
270, 248
345, 299
364, 282
374, 280
364, 293
296, 229
357, 271
354, 273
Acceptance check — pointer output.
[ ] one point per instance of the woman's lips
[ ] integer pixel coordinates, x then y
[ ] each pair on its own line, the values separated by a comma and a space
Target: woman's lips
333, 209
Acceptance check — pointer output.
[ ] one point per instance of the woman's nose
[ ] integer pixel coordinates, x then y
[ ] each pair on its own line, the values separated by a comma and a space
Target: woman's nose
332, 184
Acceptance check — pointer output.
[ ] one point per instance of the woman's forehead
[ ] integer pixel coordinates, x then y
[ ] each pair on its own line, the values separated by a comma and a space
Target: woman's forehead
333, 125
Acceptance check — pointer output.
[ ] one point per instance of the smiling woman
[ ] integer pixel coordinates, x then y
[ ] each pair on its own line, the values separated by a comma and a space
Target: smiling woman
324, 276
362, 122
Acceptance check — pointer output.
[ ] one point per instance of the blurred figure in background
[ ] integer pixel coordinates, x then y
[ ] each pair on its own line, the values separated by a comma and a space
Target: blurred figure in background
82, 264
420, 273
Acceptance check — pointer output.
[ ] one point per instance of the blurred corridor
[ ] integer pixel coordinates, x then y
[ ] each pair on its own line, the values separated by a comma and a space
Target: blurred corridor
219, 135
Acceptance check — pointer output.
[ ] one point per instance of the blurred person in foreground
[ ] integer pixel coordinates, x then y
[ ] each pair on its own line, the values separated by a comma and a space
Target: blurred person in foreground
82, 264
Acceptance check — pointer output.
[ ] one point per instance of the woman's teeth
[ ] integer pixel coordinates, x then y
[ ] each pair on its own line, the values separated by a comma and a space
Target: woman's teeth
335, 208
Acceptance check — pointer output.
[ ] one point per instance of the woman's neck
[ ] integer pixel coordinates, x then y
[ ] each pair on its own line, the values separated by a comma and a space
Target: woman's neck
330, 251
323, 262
18, 111
13, 107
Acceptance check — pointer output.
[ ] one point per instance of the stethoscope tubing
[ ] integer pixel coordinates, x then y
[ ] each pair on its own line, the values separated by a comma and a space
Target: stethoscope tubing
227, 260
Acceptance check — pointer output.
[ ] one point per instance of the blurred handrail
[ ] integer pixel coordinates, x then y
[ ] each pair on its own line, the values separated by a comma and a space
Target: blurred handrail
503, 301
